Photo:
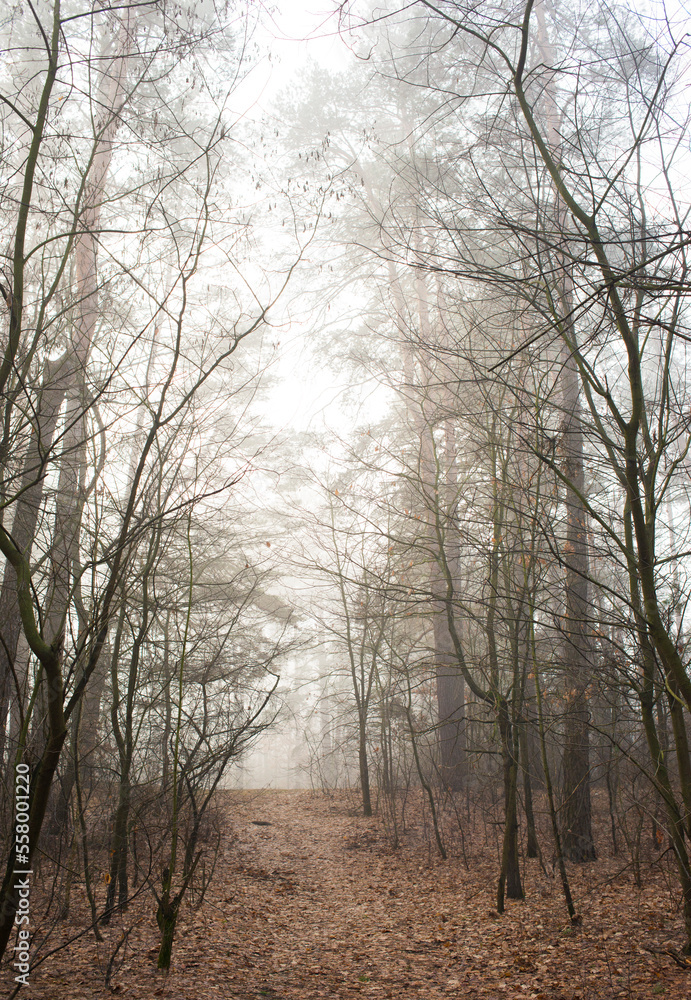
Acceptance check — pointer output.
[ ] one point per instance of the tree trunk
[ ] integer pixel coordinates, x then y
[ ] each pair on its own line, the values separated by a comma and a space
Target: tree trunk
576, 817
26, 514
510, 874
117, 884
532, 846
450, 682
450, 707
167, 919
364, 767
577, 838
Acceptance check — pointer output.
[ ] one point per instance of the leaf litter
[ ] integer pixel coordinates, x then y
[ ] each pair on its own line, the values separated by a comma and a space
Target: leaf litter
309, 900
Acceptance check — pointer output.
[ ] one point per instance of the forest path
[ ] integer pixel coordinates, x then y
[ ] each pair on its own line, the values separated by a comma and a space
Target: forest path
335, 914
320, 905
316, 904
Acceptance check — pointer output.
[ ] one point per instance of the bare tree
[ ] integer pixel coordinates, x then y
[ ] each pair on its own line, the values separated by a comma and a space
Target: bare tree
114, 244
569, 229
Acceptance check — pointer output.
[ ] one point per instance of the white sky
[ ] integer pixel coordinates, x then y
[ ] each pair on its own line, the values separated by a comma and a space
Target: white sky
299, 31
308, 395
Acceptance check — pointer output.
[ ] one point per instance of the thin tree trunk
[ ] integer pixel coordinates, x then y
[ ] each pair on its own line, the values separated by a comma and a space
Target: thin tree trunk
450, 702
510, 873
566, 889
364, 766
532, 845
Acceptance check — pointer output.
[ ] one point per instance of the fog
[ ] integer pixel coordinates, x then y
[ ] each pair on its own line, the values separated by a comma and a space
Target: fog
345, 388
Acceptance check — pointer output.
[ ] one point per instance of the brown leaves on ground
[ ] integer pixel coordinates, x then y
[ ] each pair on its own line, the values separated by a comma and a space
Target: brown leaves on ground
309, 900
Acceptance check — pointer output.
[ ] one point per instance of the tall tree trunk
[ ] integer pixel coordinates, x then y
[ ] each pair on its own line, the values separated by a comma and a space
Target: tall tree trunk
532, 847
510, 874
450, 691
364, 766
577, 658
577, 838
84, 739
439, 487
64, 377
26, 514
450, 682
450, 707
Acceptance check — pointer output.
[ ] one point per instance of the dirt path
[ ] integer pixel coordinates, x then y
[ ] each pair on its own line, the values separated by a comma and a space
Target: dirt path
323, 907
309, 900
334, 912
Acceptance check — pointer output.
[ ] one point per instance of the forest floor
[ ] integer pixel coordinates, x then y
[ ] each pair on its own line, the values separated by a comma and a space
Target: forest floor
316, 903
